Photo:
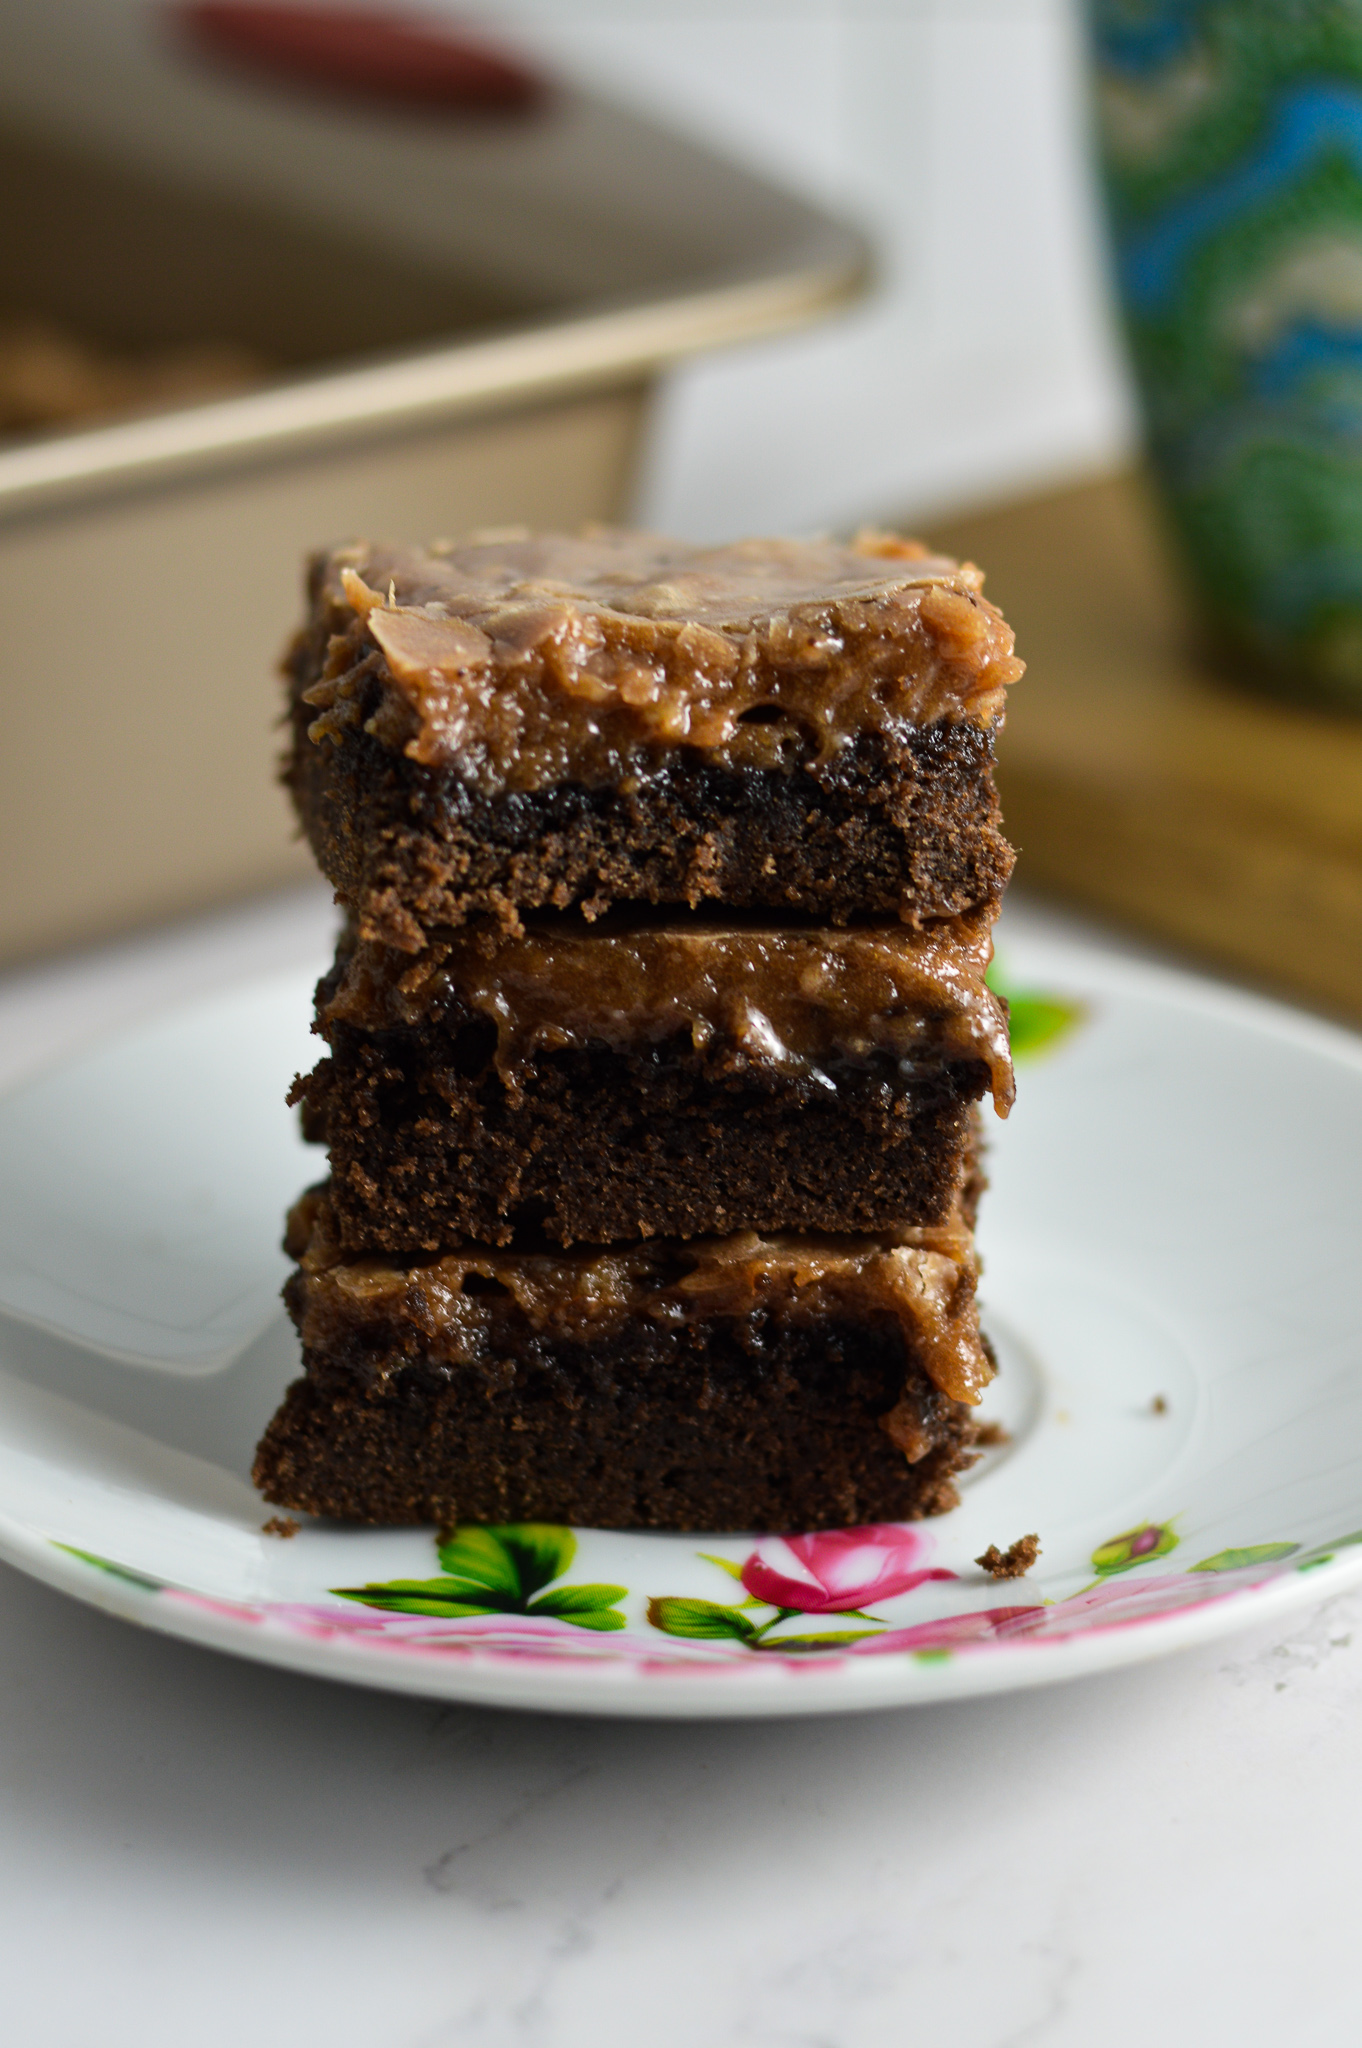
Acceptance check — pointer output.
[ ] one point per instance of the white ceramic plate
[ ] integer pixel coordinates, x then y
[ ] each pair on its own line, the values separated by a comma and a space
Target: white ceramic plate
1172, 1284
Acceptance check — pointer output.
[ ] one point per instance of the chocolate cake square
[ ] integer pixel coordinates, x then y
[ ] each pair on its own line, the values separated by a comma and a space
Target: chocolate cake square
749, 1382
600, 1084
486, 728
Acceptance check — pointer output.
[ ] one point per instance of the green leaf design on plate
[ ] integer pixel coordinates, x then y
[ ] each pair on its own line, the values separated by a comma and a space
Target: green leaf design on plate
702, 1620
1036, 1022
577, 1599
497, 1569
588, 1606
517, 1558
725, 1564
600, 1618
413, 1596
115, 1571
802, 1646
486, 1601
1324, 1553
1253, 1553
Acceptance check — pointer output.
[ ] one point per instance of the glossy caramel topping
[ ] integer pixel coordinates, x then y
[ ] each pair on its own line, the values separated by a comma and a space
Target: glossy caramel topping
528, 660
786, 998
923, 1279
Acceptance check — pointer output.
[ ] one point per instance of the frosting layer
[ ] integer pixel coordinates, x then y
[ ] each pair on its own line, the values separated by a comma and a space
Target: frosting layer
787, 997
474, 1302
523, 661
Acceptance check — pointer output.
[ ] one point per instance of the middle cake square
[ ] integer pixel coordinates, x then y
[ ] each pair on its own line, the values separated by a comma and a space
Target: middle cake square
639, 1078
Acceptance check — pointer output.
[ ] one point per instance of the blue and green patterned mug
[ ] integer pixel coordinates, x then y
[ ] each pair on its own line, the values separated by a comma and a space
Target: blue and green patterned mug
1231, 135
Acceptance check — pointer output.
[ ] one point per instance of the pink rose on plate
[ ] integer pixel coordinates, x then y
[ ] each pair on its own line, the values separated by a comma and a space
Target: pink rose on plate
835, 1570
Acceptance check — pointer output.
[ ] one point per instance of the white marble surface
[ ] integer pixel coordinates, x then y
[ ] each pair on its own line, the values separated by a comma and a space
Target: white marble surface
199, 1851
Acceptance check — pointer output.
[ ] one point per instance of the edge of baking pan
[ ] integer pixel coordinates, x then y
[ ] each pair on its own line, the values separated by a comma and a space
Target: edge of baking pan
437, 384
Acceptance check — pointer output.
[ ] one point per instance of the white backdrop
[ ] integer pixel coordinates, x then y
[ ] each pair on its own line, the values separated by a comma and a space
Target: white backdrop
953, 129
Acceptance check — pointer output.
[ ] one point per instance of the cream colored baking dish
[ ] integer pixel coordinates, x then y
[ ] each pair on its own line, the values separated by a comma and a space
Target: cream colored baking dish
465, 322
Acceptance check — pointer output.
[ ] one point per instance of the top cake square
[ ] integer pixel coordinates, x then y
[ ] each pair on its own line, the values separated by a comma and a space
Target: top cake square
521, 722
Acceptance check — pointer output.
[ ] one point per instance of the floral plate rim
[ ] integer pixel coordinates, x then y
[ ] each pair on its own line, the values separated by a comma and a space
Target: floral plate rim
646, 1680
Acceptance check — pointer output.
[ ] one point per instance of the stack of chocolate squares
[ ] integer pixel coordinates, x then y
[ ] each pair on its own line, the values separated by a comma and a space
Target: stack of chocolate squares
656, 1032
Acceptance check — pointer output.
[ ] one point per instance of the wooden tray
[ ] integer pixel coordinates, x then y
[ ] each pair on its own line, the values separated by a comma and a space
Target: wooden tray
1139, 782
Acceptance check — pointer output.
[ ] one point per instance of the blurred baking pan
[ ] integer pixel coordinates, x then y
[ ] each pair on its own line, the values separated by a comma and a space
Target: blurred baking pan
259, 290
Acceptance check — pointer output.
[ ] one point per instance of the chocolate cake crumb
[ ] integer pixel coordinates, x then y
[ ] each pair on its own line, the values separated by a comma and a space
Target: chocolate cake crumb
1012, 1563
280, 1525
1158, 1406
992, 1435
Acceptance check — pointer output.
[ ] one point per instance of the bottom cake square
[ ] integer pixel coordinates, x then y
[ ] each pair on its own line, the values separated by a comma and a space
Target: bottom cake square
749, 1382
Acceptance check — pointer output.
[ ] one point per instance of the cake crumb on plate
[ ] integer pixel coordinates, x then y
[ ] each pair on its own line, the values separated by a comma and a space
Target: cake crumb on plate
1012, 1563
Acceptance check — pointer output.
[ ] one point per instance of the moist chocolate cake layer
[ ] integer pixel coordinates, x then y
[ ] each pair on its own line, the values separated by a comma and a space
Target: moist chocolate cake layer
469, 1304
741, 1383
428, 1146
673, 1081
907, 829
770, 1428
